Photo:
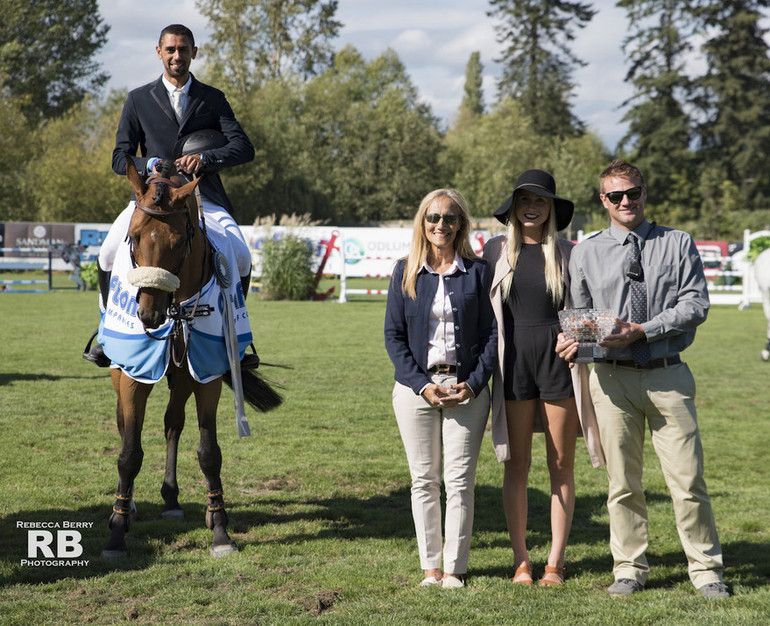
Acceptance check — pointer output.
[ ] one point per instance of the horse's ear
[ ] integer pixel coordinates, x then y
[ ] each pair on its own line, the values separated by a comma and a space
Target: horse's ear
133, 177
183, 192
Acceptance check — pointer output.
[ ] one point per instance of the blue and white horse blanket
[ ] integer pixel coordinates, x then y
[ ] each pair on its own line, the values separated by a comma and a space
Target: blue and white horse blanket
146, 360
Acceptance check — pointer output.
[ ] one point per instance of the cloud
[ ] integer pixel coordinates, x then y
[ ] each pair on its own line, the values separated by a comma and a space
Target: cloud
412, 41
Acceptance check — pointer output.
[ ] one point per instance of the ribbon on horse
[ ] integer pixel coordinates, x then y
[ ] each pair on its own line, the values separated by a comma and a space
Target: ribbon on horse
224, 276
146, 360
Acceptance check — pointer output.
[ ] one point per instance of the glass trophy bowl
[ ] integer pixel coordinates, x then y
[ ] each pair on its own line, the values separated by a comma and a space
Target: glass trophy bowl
587, 327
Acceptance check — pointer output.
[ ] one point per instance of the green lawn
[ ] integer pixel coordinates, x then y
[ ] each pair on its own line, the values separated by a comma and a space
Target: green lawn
318, 496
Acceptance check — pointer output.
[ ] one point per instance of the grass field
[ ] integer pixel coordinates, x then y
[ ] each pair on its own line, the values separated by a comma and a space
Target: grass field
318, 496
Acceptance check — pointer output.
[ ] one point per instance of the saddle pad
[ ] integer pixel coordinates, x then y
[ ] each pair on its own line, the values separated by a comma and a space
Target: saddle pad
146, 360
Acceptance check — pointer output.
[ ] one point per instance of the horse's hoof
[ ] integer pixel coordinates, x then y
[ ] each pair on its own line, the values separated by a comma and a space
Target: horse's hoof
223, 550
765, 355
173, 514
114, 554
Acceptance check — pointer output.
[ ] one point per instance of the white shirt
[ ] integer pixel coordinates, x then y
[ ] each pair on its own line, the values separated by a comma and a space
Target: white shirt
151, 161
441, 327
172, 88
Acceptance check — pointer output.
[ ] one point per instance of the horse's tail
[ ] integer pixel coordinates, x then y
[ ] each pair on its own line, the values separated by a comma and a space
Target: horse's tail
259, 393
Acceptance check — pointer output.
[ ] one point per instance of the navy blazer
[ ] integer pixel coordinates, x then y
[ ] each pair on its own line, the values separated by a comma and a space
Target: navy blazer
148, 124
406, 325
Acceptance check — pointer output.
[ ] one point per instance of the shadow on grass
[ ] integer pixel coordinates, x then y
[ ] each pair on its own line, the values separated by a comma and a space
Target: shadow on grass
7, 379
383, 516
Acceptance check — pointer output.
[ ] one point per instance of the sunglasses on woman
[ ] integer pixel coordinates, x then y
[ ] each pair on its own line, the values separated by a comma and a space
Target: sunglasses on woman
616, 197
435, 218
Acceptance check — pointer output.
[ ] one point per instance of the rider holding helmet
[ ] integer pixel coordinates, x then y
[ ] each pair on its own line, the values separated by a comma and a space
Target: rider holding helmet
178, 117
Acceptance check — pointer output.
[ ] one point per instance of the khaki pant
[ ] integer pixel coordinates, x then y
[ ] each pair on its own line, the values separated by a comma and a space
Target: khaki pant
427, 432
624, 397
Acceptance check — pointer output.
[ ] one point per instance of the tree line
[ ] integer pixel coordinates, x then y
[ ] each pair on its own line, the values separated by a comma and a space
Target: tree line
346, 139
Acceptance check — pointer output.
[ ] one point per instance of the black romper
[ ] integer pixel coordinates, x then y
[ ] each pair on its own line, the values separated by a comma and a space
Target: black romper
532, 368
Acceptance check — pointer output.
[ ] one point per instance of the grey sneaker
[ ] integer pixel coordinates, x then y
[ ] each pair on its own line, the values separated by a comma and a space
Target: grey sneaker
624, 587
715, 590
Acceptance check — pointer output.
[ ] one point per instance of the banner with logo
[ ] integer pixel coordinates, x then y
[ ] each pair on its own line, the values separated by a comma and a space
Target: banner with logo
364, 251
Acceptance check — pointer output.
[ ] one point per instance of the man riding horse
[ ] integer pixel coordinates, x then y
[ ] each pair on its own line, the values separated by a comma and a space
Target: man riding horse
178, 117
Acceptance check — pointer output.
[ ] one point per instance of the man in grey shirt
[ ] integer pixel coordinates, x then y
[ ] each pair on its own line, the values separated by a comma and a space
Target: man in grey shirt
652, 277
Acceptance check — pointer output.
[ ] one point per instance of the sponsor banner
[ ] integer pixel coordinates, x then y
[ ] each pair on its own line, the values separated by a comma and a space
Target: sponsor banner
66, 238
366, 251
37, 235
19, 237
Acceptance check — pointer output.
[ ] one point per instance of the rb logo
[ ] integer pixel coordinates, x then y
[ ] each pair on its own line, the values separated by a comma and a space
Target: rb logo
67, 544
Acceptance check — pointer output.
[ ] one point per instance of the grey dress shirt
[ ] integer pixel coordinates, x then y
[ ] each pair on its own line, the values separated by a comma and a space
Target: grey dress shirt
677, 297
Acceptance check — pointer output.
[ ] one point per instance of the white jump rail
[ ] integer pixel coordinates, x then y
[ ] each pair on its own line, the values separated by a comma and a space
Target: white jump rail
344, 291
14, 264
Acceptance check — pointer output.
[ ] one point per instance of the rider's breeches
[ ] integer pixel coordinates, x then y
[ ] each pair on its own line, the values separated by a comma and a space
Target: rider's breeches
216, 217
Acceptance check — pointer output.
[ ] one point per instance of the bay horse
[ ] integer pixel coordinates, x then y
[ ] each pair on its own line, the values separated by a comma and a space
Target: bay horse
167, 242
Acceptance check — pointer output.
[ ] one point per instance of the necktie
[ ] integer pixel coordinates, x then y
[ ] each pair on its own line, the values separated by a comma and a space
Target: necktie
176, 100
640, 349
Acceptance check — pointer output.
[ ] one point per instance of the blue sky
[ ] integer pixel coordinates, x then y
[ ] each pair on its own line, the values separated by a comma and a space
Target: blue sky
433, 38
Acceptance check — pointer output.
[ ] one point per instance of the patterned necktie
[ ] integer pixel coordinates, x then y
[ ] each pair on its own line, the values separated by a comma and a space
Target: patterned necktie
176, 100
640, 349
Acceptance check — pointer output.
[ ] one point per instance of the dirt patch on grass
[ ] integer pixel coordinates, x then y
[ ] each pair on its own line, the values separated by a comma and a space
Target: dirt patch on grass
321, 601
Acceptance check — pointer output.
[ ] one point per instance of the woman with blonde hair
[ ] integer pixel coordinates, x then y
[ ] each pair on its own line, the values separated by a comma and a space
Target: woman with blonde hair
529, 287
440, 333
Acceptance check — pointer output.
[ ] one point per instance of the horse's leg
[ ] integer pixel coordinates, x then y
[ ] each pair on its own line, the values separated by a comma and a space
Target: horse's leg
132, 402
765, 290
115, 374
762, 276
180, 386
210, 459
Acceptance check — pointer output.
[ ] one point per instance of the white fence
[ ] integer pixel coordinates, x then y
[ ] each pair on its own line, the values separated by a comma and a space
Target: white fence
372, 252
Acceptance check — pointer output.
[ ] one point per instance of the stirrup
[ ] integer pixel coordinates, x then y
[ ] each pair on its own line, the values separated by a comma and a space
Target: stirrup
96, 354
250, 361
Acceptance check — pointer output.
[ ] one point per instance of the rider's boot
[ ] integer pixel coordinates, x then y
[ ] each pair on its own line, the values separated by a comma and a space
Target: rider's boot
95, 353
249, 361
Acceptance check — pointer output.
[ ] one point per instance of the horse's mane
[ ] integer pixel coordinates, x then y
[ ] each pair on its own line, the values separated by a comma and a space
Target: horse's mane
167, 170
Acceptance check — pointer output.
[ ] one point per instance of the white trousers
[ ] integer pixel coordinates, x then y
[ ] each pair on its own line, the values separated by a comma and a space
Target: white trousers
216, 217
427, 431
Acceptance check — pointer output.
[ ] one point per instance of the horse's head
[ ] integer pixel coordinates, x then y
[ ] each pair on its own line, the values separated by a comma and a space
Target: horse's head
161, 236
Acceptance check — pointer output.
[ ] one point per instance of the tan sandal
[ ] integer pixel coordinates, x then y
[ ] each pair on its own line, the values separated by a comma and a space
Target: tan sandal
523, 574
553, 577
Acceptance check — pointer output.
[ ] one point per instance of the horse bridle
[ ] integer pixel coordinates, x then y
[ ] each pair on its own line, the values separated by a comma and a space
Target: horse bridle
175, 312
190, 230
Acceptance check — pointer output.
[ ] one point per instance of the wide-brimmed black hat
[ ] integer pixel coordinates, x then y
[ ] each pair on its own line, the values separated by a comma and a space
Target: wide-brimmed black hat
542, 184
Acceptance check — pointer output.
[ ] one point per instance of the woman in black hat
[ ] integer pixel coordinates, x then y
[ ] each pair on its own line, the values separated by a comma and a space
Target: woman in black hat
529, 287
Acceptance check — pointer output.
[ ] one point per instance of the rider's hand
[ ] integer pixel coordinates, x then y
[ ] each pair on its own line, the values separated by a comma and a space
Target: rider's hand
189, 164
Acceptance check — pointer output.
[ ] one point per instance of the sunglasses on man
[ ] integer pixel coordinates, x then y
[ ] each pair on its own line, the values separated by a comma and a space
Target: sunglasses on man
435, 218
616, 197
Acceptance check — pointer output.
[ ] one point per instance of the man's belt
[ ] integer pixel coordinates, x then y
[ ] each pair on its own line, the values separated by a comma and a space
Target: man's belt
650, 365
